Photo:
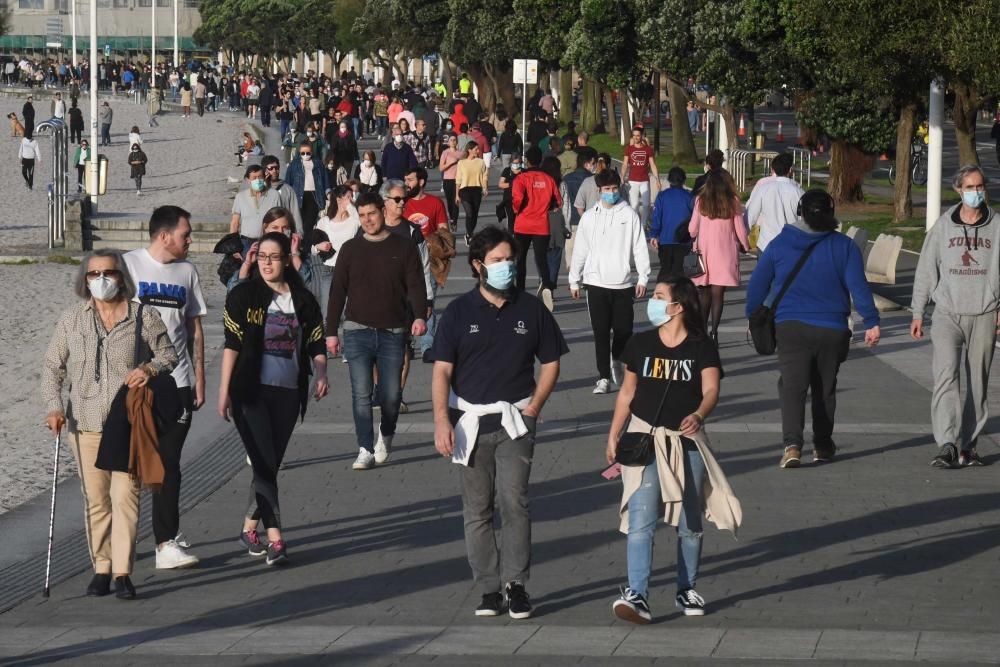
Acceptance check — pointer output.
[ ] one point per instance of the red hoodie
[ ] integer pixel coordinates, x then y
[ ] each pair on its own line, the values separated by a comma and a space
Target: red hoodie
458, 117
533, 195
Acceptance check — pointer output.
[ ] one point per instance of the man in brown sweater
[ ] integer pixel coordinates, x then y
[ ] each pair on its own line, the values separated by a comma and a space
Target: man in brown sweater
380, 279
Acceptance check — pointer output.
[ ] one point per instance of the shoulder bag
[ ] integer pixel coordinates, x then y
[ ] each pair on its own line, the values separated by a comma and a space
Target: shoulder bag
636, 448
694, 264
762, 318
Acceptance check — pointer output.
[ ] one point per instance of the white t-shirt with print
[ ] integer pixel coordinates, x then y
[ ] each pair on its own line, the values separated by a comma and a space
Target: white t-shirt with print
175, 291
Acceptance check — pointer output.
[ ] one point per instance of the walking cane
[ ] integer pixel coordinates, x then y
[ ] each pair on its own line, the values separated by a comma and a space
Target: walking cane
52, 515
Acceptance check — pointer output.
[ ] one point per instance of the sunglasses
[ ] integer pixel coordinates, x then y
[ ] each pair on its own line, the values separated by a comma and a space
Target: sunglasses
306, 154
110, 273
273, 167
398, 200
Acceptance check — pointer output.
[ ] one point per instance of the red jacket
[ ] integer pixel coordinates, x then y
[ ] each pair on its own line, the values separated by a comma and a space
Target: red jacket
534, 194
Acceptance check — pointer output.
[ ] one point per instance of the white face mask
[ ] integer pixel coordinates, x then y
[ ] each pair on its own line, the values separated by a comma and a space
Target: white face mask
367, 164
397, 139
103, 288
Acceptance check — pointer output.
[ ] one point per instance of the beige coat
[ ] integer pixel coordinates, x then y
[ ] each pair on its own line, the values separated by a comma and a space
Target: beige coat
722, 507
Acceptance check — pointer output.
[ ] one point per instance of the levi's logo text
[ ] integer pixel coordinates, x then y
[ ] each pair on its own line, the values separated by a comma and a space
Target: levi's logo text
164, 295
663, 369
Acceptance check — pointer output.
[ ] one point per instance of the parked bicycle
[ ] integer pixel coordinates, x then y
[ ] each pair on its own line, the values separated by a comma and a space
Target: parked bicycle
918, 164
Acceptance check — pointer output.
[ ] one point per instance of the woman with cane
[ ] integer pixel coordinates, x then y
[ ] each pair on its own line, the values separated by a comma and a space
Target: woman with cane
92, 354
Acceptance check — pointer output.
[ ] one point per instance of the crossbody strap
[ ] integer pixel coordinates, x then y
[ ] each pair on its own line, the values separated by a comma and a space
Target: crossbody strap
138, 337
663, 400
791, 276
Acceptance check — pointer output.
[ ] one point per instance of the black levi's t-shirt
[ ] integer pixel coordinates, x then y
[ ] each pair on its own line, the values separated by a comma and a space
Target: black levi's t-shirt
647, 356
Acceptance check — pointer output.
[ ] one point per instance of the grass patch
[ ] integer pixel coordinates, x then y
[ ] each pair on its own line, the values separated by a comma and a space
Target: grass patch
605, 143
24, 261
62, 259
912, 230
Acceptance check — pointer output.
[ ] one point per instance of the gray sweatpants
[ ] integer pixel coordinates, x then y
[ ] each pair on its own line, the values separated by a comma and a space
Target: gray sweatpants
502, 466
963, 349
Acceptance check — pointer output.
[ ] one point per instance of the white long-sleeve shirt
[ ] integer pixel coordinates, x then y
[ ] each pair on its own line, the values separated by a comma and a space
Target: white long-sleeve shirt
772, 205
607, 242
28, 150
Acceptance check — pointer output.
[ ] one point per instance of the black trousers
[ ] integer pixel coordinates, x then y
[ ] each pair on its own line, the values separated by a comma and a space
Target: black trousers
166, 502
449, 196
671, 260
265, 116
472, 199
200, 103
809, 358
266, 426
80, 169
28, 172
310, 214
75, 135
611, 318
541, 246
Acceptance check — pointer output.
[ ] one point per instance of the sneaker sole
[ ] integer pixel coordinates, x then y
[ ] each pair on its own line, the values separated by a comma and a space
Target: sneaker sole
627, 613
488, 612
280, 560
822, 459
942, 464
361, 467
519, 615
791, 463
180, 566
691, 612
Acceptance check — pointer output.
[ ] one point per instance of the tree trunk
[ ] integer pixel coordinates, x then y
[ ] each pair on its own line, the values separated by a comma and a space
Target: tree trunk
684, 151
902, 199
588, 119
478, 74
565, 96
609, 102
848, 166
967, 101
728, 115
504, 80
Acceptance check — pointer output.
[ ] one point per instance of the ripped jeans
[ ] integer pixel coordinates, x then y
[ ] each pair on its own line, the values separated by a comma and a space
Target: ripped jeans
645, 506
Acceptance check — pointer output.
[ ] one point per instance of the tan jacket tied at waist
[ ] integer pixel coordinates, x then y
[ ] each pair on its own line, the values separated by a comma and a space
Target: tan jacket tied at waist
722, 507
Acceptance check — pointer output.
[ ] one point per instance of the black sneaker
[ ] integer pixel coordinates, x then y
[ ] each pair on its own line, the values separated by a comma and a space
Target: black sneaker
690, 602
632, 607
947, 457
968, 458
492, 605
276, 553
124, 590
518, 605
99, 586
251, 540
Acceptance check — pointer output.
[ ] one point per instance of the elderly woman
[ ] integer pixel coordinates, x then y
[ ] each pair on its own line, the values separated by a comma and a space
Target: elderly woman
92, 354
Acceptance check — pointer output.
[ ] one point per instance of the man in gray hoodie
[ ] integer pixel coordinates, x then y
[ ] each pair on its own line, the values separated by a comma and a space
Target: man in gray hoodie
959, 270
104, 116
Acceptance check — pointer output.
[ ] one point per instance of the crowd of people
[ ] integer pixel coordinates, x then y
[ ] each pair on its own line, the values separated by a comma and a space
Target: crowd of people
327, 264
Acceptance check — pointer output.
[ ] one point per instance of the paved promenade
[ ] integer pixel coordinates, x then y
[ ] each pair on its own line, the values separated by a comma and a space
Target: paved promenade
874, 559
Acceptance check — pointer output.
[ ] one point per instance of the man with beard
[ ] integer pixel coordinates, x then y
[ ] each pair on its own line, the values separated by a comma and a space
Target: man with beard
486, 407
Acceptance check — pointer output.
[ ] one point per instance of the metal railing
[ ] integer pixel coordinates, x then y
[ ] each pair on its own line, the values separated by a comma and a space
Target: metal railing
59, 187
741, 163
802, 164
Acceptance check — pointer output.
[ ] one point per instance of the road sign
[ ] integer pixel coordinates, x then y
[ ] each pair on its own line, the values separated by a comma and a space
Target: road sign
525, 71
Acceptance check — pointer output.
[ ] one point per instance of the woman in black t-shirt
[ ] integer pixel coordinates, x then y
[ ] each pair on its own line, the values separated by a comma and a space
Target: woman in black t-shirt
678, 358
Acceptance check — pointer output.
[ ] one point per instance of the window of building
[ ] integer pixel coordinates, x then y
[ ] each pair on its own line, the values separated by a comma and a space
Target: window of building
145, 3
62, 6
121, 4
31, 4
164, 3
192, 4
103, 4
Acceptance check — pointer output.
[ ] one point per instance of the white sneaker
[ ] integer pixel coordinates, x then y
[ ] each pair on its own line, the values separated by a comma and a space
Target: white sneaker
182, 541
383, 446
547, 299
602, 387
365, 460
172, 556
617, 372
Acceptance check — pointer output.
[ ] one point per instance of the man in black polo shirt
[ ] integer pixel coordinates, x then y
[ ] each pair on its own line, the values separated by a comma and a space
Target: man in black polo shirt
486, 406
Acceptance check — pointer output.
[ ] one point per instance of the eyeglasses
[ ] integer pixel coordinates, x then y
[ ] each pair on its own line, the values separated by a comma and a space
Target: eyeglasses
398, 200
110, 273
273, 167
270, 259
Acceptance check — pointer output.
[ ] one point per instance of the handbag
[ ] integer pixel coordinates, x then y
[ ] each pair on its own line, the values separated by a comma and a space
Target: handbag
761, 327
694, 264
639, 449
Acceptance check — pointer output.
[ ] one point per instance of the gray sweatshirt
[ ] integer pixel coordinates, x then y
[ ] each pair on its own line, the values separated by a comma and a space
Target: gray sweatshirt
104, 115
959, 267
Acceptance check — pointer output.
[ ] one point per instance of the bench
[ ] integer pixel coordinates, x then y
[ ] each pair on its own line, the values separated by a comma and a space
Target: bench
860, 237
880, 268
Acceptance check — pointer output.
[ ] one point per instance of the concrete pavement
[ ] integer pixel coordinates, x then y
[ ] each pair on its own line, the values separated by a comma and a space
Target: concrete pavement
875, 558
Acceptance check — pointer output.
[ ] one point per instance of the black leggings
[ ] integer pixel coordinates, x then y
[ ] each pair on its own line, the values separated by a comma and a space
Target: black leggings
541, 245
610, 311
472, 199
28, 172
166, 512
79, 174
138, 182
449, 196
671, 260
266, 426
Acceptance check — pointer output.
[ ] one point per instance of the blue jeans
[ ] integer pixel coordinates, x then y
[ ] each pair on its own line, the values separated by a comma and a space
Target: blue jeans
555, 256
365, 350
356, 122
383, 125
645, 507
427, 340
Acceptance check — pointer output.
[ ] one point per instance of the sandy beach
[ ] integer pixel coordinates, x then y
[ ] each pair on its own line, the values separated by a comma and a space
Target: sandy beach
189, 163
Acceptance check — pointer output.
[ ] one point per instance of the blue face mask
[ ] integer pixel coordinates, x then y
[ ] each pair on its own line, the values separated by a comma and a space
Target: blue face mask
656, 312
500, 275
973, 199
610, 198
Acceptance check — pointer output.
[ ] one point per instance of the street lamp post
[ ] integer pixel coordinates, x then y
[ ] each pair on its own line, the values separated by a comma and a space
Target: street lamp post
935, 122
176, 40
93, 106
152, 43
73, 30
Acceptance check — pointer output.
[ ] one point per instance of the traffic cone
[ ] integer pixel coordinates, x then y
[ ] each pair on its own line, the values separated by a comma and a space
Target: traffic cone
742, 132
781, 133
762, 130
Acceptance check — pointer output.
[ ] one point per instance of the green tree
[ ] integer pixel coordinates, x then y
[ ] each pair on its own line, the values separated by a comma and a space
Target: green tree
474, 38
